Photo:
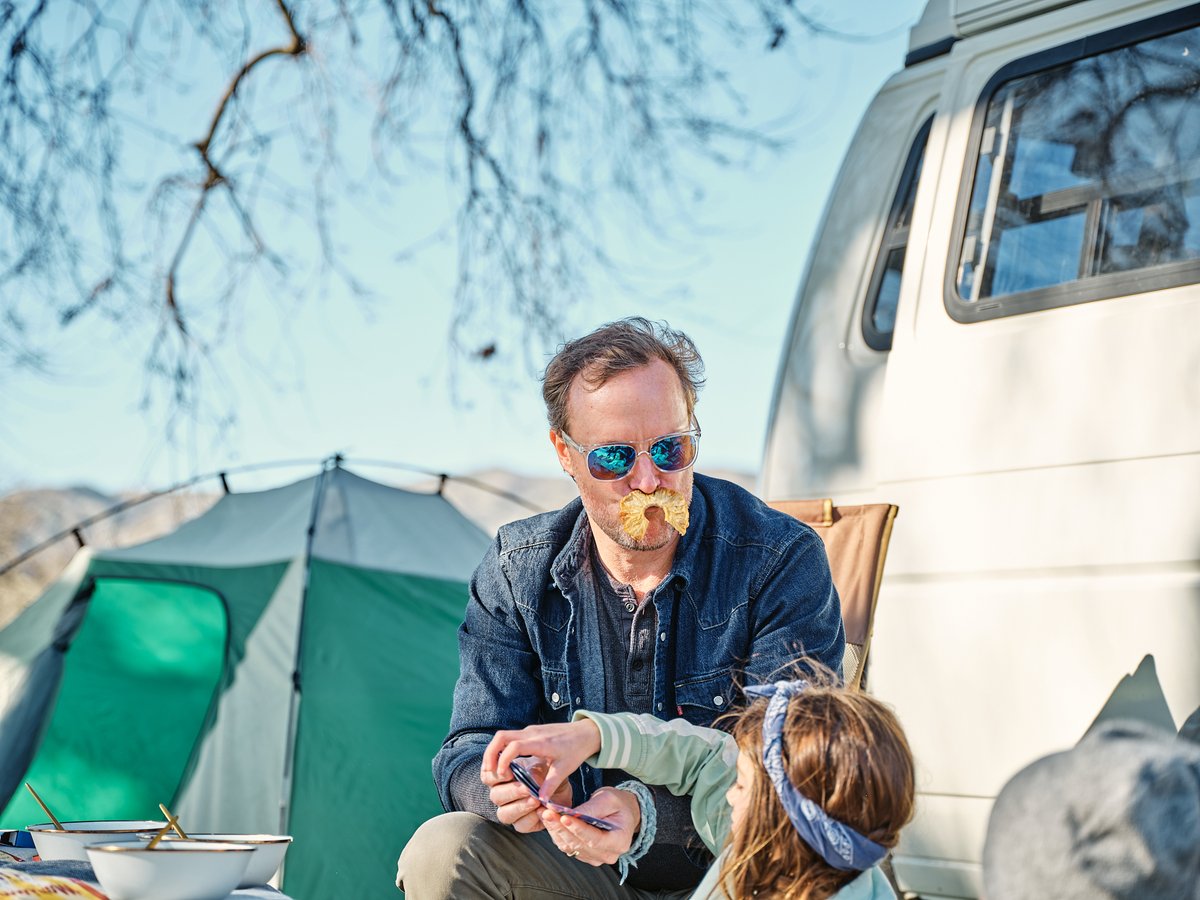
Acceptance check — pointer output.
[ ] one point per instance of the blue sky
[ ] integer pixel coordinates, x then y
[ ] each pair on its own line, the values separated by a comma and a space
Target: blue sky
373, 381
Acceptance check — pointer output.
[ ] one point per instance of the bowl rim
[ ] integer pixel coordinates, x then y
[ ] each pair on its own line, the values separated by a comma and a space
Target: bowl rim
140, 847
48, 827
228, 837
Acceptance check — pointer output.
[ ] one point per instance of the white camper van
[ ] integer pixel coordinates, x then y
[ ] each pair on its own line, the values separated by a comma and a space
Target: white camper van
999, 331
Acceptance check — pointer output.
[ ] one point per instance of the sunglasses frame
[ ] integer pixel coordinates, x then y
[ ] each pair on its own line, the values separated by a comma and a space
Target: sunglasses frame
586, 449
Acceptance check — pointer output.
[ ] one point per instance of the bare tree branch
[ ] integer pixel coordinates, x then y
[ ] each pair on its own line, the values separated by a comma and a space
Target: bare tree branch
548, 116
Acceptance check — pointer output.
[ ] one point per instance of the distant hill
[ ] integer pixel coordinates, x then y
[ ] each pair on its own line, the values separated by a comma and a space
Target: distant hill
28, 517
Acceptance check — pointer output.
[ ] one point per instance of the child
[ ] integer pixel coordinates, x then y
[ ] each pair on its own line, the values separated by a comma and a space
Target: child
802, 801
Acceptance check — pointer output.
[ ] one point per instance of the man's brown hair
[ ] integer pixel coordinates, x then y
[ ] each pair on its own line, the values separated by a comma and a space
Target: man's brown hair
845, 751
615, 348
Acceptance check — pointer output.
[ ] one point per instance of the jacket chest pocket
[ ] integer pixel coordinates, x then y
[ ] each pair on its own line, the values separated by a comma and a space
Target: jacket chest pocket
548, 629
556, 694
701, 700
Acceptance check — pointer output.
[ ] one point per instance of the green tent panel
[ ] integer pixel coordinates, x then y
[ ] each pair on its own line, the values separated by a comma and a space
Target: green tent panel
284, 662
350, 689
145, 667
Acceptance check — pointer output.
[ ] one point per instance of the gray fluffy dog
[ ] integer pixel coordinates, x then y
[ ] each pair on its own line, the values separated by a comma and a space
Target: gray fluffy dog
1117, 816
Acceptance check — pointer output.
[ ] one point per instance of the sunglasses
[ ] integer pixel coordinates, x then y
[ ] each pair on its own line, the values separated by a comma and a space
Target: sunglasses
669, 453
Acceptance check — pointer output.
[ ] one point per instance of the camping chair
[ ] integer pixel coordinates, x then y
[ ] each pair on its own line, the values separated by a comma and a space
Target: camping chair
856, 541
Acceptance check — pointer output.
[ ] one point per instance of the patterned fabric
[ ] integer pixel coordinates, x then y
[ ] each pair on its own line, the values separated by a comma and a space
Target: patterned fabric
59, 878
15, 884
838, 844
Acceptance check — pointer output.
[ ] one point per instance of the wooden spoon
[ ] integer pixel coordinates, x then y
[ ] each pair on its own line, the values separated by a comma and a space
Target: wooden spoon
45, 808
179, 831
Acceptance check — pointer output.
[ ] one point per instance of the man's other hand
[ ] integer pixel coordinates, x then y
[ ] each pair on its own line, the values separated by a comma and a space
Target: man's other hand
591, 845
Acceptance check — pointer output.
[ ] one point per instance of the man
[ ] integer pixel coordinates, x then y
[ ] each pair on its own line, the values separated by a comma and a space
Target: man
592, 607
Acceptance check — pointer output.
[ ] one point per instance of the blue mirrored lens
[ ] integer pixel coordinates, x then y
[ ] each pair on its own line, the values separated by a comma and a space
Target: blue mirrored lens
673, 453
611, 461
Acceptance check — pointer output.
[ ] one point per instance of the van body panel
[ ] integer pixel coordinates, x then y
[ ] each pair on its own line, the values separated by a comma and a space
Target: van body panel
1043, 463
938, 878
937, 849
829, 368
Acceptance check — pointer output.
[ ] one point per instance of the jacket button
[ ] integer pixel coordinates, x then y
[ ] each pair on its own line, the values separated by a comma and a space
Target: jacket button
662, 635
719, 700
554, 697
660, 707
578, 701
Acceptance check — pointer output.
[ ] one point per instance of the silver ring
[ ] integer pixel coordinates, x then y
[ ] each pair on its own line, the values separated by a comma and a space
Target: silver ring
573, 855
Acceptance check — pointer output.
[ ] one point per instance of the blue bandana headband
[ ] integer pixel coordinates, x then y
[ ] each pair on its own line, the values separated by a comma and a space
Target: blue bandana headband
838, 844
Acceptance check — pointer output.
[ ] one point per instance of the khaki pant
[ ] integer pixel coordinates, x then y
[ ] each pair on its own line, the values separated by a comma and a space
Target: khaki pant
462, 856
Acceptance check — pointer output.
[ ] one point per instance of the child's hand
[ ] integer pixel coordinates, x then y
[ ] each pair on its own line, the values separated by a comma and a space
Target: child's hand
563, 746
591, 845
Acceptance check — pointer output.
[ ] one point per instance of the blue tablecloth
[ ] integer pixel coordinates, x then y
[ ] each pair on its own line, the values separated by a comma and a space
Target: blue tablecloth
74, 868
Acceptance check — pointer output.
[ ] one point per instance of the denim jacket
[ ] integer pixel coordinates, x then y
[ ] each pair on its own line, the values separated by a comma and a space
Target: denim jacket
749, 591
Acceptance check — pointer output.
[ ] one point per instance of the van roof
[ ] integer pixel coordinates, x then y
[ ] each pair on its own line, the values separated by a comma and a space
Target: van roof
940, 26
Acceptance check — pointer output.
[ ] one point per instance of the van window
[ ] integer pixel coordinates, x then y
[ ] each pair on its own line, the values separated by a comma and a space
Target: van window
1087, 183
879, 312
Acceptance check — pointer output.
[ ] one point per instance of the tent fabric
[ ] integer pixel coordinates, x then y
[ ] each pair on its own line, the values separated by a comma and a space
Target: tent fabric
255, 687
30, 668
238, 530
253, 711
352, 687
165, 645
360, 523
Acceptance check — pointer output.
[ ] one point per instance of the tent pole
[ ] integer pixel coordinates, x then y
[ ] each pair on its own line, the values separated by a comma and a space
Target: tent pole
285, 798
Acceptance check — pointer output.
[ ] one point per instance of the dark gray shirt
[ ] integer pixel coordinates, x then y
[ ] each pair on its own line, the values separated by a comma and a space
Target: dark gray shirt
627, 632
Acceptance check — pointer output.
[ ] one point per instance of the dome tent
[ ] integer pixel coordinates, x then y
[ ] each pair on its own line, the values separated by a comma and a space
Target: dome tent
284, 662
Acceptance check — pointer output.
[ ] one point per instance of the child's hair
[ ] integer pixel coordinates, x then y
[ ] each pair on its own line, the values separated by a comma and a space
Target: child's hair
844, 751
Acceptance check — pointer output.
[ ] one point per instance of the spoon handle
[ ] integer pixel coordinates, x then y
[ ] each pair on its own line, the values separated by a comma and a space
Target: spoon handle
179, 831
161, 833
45, 808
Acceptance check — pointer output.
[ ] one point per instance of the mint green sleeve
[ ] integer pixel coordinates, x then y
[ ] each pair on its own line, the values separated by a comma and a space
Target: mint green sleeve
683, 758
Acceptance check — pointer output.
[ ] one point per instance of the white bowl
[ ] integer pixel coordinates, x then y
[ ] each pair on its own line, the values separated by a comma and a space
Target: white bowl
269, 850
174, 870
69, 843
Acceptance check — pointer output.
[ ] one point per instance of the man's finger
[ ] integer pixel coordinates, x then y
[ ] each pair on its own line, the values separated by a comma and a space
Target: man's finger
509, 813
529, 823
511, 751
512, 813
555, 776
502, 750
509, 792
492, 752
563, 839
600, 848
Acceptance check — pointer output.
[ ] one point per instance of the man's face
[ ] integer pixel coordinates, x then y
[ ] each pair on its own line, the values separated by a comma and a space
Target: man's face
634, 407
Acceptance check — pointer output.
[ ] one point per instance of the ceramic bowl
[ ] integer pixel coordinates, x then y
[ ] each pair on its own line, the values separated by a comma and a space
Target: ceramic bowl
269, 850
69, 843
174, 870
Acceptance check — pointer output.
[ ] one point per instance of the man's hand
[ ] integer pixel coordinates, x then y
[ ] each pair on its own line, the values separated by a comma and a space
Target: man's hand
591, 845
515, 806
563, 747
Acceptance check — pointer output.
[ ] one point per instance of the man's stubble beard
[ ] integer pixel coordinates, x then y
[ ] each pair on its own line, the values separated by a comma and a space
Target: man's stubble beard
611, 526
